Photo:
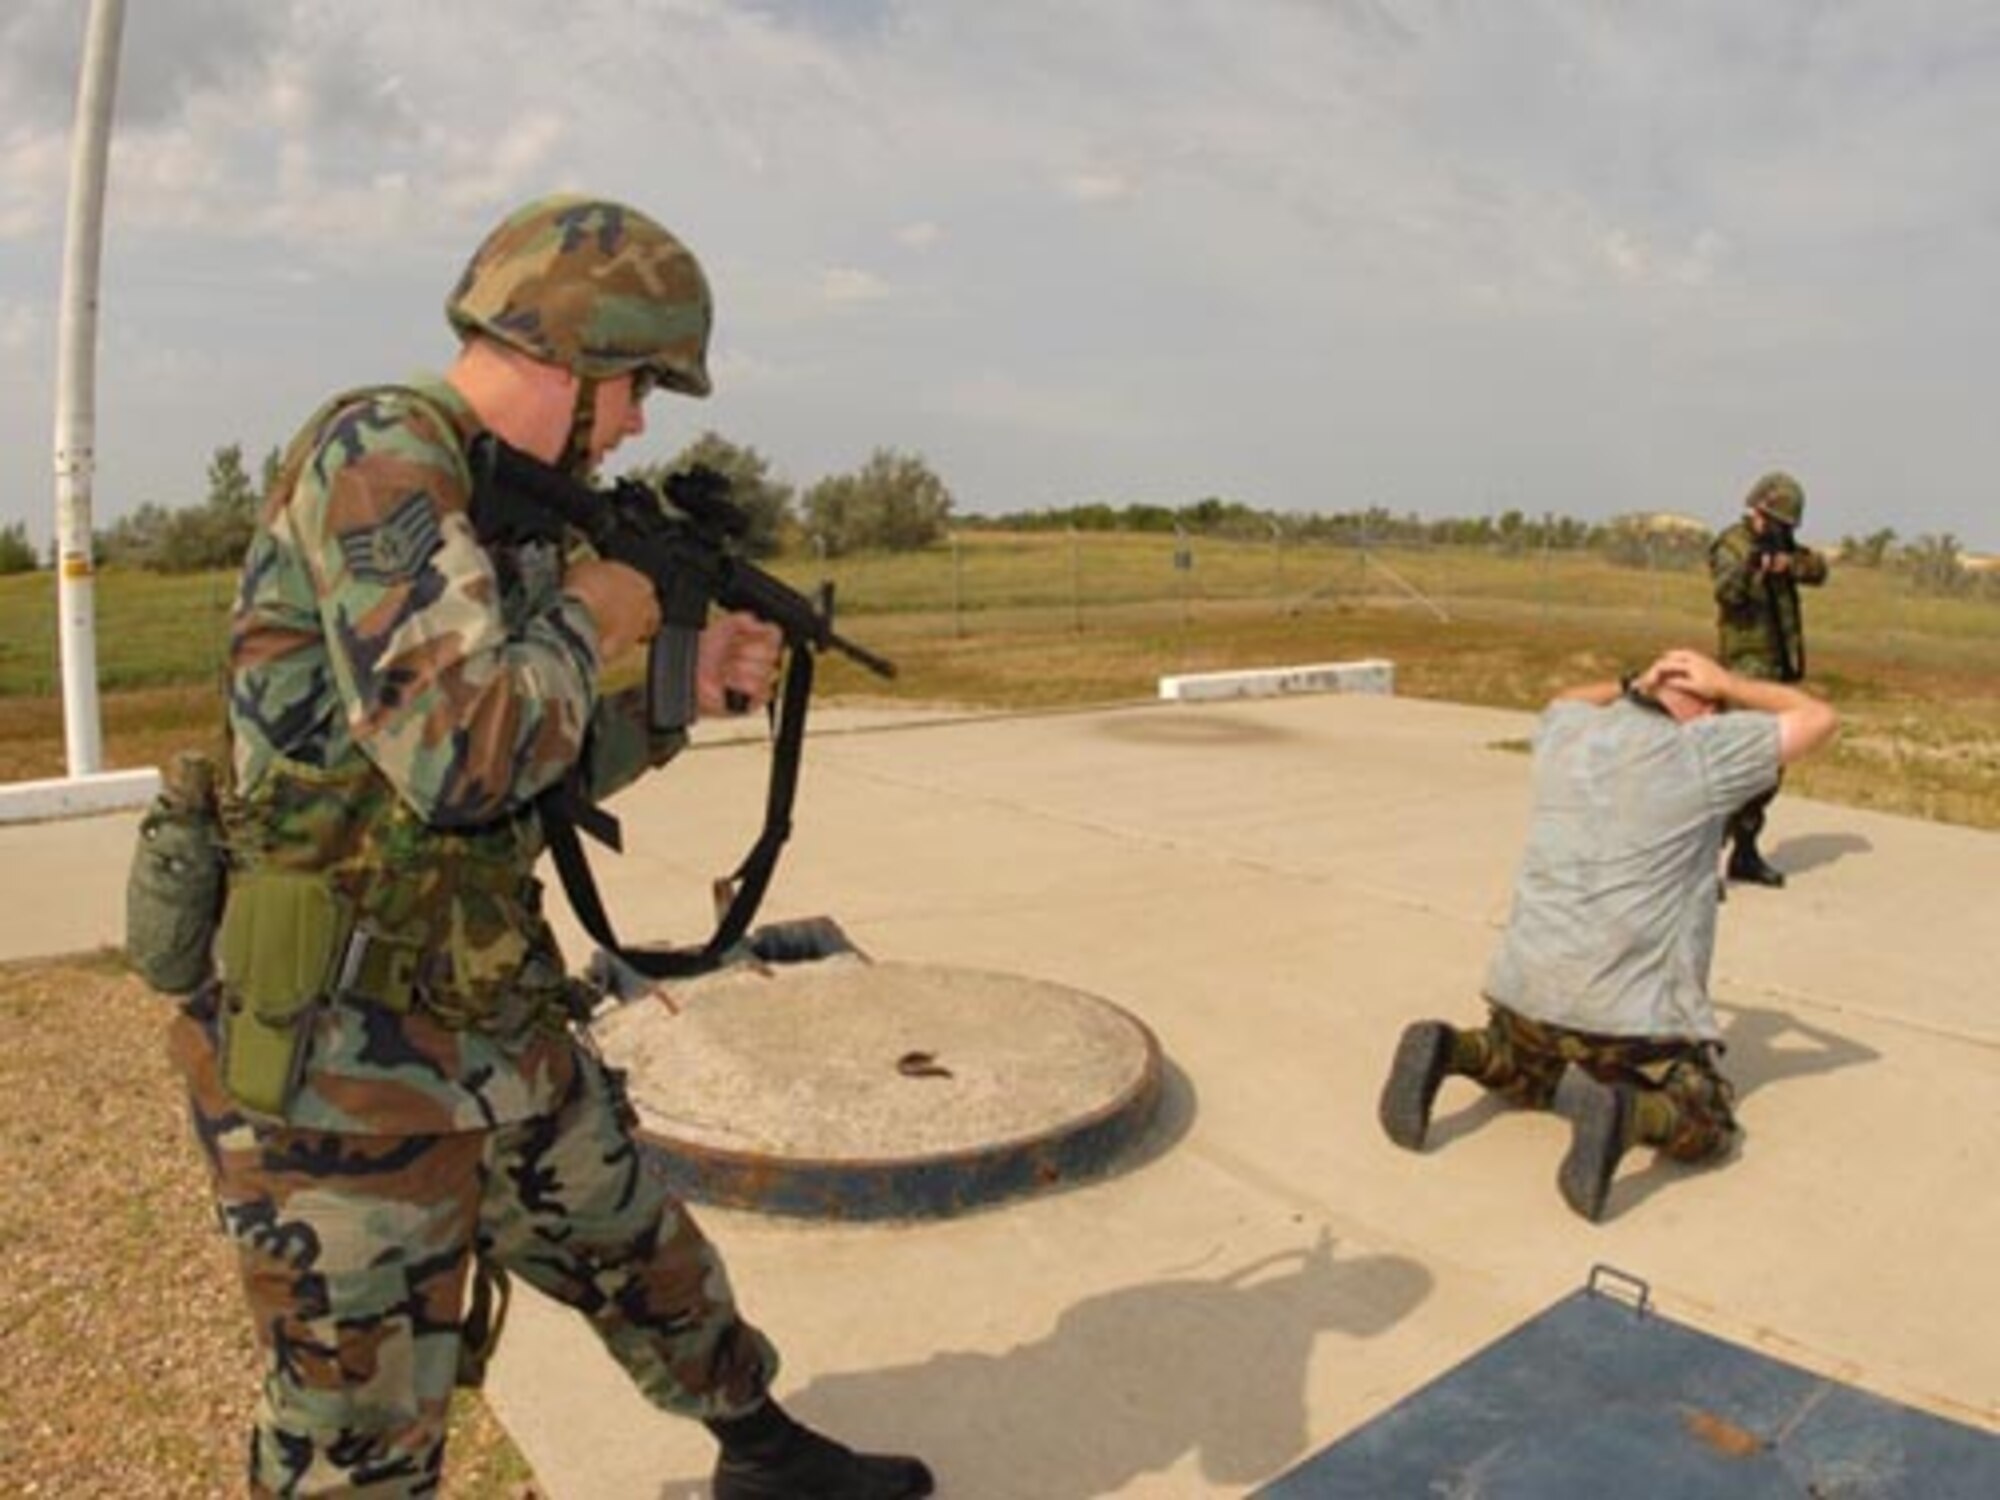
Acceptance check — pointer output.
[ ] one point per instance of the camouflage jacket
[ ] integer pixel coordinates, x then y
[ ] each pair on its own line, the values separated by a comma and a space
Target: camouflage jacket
398, 696
1760, 626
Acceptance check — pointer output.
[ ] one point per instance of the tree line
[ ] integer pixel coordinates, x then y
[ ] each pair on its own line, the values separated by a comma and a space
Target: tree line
896, 502
1935, 563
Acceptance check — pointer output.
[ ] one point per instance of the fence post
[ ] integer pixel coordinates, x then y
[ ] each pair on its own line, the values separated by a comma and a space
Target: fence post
1547, 528
1184, 566
1075, 581
957, 587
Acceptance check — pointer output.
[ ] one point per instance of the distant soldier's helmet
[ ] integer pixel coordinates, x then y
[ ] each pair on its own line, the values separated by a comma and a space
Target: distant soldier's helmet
594, 287
1778, 496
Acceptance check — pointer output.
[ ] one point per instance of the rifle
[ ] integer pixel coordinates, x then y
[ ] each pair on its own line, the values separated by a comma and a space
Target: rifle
1778, 540
1774, 541
692, 555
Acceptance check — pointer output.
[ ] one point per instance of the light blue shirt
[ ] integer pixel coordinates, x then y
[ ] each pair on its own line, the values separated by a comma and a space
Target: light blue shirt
1613, 925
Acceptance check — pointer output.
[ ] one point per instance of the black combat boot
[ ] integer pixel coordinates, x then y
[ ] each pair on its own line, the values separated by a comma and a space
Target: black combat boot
1600, 1117
1423, 1058
1749, 867
768, 1456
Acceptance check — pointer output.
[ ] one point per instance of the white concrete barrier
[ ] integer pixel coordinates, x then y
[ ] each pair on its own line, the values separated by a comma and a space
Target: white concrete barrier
1371, 676
77, 796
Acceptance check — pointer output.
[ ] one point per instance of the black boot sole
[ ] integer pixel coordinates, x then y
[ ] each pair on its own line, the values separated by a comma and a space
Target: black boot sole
1597, 1113
1763, 875
1423, 1058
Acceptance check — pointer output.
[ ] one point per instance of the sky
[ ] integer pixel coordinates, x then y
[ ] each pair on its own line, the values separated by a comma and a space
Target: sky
1443, 256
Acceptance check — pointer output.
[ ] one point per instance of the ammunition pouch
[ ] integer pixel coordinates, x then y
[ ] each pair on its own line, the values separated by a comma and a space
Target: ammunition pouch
284, 940
390, 914
173, 891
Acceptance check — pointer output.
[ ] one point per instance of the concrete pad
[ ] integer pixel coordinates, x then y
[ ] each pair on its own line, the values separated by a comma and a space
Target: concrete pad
1274, 887
62, 884
65, 797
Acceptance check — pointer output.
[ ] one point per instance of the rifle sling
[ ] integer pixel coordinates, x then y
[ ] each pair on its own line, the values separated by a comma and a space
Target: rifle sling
563, 811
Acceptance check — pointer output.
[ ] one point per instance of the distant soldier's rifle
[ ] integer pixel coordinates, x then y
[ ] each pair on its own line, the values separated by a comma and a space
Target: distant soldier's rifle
1777, 540
691, 551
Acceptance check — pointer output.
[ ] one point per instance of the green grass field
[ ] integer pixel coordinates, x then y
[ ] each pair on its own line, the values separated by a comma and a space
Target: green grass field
1049, 619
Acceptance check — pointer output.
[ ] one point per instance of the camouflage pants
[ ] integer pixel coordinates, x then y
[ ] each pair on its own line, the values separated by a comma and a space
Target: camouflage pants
356, 1252
1746, 824
1524, 1060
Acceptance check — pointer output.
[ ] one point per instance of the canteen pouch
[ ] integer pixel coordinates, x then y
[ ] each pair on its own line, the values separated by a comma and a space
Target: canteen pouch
173, 891
283, 936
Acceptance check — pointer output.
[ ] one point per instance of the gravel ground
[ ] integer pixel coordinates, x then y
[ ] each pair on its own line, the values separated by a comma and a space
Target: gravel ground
129, 1365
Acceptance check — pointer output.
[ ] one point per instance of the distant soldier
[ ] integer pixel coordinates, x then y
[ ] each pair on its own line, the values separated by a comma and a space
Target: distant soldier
1599, 991
1757, 566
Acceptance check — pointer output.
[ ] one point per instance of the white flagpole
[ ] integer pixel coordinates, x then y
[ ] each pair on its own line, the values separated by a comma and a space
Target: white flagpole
76, 383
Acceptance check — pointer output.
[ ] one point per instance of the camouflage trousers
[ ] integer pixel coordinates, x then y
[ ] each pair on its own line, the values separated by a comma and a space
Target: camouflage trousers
1524, 1060
356, 1252
1746, 824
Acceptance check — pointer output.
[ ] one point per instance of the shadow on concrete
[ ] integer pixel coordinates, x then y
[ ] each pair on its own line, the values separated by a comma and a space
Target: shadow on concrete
1765, 1046
1171, 730
1213, 1366
1774, 1046
1809, 851
1634, 1188
1173, 1118
1448, 1128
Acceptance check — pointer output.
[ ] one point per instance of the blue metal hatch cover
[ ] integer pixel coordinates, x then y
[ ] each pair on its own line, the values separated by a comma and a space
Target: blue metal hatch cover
1600, 1396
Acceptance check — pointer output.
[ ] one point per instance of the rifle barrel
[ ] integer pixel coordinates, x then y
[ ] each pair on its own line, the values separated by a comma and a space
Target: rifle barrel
881, 666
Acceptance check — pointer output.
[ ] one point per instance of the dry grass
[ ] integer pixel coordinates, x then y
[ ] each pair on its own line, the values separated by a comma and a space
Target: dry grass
1921, 732
1922, 717
131, 1368
1043, 620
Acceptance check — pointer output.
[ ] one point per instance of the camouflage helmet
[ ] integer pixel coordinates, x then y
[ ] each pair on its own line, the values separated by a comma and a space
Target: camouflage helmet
1779, 496
592, 286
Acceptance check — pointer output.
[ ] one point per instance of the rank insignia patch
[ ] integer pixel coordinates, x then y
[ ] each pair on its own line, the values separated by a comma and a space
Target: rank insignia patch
393, 549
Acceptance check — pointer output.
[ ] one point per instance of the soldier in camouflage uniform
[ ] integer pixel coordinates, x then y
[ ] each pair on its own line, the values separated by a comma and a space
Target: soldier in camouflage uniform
385, 1081
1757, 566
1598, 996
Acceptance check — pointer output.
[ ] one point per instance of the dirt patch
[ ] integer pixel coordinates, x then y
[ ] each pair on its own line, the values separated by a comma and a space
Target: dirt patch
131, 1368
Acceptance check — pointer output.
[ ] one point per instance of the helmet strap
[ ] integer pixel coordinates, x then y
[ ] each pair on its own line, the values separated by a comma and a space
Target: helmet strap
575, 459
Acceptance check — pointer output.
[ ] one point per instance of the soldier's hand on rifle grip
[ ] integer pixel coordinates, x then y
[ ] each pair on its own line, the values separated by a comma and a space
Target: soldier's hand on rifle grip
621, 600
736, 663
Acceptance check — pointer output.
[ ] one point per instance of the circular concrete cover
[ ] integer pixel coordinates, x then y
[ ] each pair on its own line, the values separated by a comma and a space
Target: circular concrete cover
843, 1088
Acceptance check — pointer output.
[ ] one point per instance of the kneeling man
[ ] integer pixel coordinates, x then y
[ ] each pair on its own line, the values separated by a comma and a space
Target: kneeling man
1599, 993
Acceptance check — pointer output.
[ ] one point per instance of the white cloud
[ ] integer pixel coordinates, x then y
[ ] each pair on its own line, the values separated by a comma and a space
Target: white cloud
1388, 219
1027, 407
34, 181
21, 328
845, 285
1637, 263
1096, 187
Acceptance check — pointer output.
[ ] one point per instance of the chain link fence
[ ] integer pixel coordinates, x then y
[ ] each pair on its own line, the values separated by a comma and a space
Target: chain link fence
985, 581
